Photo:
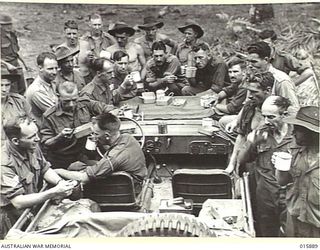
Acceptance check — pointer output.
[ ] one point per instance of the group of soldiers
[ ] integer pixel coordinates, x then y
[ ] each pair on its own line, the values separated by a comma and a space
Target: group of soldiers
84, 79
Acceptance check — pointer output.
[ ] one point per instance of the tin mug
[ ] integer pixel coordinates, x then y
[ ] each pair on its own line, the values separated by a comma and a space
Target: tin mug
204, 101
140, 85
191, 72
160, 93
282, 161
162, 128
90, 144
183, 70
136, 76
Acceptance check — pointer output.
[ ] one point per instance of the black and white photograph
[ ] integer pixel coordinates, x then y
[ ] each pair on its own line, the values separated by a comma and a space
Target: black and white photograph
155, 120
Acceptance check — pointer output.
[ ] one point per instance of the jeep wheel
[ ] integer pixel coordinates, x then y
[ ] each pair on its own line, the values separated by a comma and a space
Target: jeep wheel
166, 224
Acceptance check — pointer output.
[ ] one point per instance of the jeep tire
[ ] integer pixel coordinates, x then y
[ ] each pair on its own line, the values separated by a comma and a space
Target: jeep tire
166, 225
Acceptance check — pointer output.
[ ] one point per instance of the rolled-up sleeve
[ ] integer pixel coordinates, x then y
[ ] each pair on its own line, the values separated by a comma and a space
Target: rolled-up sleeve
10, 185
49, 130
108, 164
44, 164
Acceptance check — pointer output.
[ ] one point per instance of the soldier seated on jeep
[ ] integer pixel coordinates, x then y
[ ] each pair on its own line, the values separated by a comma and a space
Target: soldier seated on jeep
122, 153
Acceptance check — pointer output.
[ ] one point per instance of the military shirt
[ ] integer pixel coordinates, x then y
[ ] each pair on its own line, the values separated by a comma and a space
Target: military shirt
55, 120
183, 51
9, 47
89, 43
20, 174
283, 86
98, 91
235, 102
154, 72
15, 106
303, 199
41, 96
125, 155
76, 78
213, 76
120, 93
118, 79
262, 152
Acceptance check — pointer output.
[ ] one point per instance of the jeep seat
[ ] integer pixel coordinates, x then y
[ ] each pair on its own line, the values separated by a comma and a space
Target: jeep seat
201, 184
116, 192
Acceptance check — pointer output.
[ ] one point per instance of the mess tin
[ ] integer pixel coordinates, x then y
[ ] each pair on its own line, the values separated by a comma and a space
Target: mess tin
83, 130
206, 100
164, 100
148, 97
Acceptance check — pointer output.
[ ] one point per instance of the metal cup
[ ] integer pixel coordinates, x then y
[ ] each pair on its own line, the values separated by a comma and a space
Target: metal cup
282, 161
162, 128
90, 144
183, 69
140, 85
160, 93
136, 76
191, 72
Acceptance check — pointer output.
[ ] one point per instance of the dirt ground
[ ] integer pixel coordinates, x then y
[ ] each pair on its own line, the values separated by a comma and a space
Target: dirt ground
41, 24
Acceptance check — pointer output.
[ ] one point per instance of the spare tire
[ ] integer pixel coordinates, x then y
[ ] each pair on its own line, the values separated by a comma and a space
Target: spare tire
166, 225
